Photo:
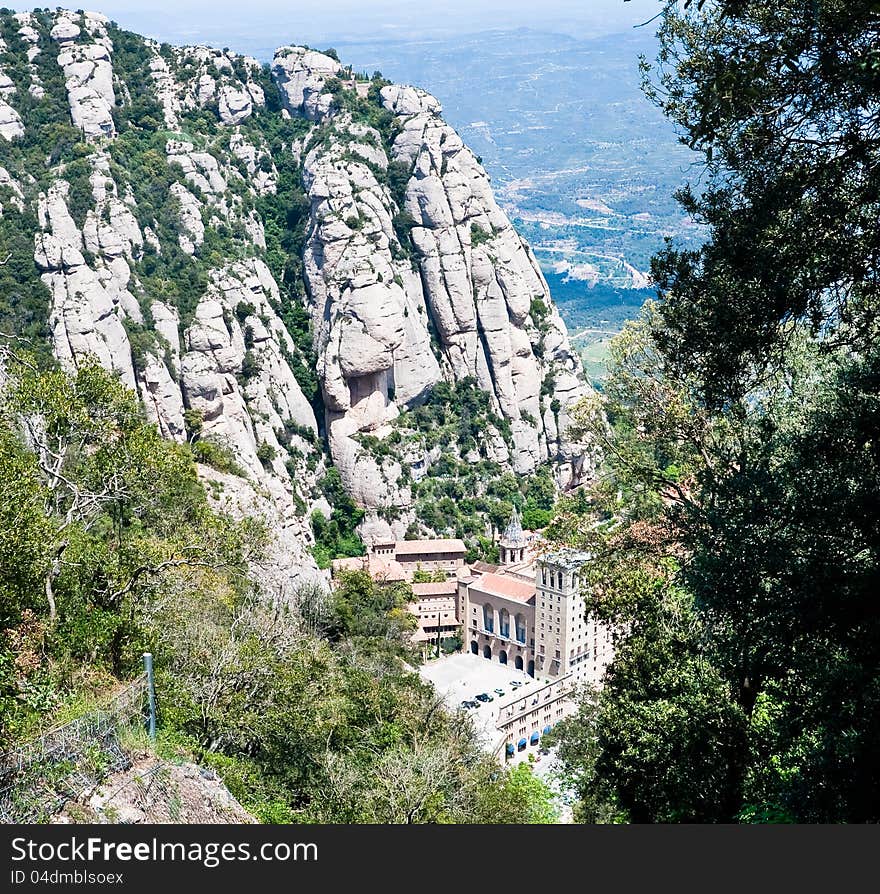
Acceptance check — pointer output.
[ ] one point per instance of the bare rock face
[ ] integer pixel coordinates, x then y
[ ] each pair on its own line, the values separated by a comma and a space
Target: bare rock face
287, 562
485, 289
213, 75
14, 192
86, 312
477, 281
10, 122
192, 228
11, 125
153, 790
235, 105
258, 162
244, 400
88, 72
413, 275
161, 398
231, 362
368, 311
231, 365
234, 373
301, 74
24, 23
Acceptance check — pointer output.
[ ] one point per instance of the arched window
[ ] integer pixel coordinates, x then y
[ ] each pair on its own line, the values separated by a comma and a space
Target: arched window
475, 649
488, 618
502, 657
504, 622
518, 662
487, 652
559, 579
520, 622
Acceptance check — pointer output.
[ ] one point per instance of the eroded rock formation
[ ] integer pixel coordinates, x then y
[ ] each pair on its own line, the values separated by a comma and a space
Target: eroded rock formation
410, 272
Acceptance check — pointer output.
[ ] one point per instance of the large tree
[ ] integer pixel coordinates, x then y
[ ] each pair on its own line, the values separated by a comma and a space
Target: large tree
741, 428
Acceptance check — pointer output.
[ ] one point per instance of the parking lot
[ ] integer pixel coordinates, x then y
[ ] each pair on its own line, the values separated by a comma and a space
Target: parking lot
462, 677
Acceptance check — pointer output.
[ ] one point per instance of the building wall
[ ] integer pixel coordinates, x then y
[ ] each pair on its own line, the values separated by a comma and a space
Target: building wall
567, 642
446, 562
560, 639
539, 707
427, 609
556, 604
499, 646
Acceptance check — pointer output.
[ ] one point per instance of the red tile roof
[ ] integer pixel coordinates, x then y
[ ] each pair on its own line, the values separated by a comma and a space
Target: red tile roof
441, 588
380, 568
484, 567
509, 587
418, 547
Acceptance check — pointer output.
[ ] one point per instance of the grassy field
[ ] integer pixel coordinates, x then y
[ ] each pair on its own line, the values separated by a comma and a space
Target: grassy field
593, 347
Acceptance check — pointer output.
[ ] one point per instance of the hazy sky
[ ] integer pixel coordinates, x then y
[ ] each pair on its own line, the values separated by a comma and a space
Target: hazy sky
246, 25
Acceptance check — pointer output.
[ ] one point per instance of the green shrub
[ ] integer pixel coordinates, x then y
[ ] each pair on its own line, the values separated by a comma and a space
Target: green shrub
265, 453
218, 456
479, 236
250, 367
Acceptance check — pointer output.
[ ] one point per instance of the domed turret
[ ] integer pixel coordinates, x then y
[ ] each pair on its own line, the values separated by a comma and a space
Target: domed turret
512, 546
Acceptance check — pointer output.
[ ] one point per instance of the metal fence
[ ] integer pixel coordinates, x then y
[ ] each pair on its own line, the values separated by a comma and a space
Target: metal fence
40, 776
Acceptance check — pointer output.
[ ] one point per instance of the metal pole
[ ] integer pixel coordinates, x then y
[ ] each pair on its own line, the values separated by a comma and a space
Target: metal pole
151, 693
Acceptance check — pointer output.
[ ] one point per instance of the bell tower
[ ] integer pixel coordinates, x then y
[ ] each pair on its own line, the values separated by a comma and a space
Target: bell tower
512, 546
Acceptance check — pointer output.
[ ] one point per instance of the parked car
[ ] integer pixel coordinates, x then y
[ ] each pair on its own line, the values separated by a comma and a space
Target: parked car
499, 691
516, 683
485, 697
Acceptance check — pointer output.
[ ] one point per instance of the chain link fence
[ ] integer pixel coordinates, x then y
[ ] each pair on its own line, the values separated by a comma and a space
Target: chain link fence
40, 776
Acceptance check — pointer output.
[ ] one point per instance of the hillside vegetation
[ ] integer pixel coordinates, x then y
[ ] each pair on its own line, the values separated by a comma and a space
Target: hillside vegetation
310, 711
218, 298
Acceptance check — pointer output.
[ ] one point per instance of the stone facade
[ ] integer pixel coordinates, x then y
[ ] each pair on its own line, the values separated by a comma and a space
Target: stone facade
532, 615
523, 723
436, 610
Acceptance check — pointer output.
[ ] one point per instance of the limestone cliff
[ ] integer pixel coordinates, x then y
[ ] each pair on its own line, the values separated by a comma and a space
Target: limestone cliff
470, 281
247, 244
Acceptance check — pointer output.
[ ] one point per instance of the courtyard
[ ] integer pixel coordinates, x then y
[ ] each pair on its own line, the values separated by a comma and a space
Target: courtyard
463, 676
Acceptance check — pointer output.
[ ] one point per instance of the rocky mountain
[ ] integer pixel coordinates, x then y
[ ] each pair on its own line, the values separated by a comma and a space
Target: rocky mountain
284, 261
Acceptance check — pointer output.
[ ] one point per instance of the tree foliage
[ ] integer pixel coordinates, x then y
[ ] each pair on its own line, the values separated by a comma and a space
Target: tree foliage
735, 526
100, 516
309, 708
